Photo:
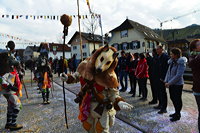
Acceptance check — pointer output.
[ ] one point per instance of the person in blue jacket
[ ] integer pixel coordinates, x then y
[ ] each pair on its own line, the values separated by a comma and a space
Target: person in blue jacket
174, 80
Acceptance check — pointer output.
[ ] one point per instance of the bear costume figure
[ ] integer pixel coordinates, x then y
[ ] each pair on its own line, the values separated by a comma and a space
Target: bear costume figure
99, 95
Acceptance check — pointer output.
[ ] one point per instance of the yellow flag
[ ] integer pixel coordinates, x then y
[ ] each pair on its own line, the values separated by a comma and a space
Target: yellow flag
88, 3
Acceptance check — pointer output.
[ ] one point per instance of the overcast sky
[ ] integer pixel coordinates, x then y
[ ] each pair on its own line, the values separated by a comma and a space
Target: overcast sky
113, 12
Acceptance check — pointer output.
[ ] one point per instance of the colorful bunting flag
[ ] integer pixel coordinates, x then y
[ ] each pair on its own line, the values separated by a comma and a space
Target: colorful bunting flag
51, 17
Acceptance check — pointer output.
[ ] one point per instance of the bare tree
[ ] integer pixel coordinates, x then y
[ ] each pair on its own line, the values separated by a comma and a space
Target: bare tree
90, 24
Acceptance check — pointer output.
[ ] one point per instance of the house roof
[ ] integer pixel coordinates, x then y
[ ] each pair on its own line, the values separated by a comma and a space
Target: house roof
88, 37
180, 41
148, 33
59, 47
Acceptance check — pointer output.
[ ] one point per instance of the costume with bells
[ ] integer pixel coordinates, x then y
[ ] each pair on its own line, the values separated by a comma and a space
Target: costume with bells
10, 86
99, 97
43, 74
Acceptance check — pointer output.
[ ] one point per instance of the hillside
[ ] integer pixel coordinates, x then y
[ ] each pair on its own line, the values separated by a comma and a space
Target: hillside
187, 32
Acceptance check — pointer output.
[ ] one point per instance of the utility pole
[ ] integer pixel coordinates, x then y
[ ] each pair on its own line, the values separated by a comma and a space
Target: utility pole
93, 40
79, 26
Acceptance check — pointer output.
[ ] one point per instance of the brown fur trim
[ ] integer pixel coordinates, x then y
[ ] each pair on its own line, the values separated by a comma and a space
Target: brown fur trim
70, 79
113, 66
105, 48
113, 49
117, 100
107, 79
86, 69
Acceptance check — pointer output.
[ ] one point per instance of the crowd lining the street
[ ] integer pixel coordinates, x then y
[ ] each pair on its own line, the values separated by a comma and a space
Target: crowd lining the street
162, 70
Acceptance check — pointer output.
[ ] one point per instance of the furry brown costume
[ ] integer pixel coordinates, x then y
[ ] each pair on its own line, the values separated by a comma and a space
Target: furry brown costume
99, 97
106, 78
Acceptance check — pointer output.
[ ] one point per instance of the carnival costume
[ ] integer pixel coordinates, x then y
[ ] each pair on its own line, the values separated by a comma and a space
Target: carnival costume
10, 86
99, 97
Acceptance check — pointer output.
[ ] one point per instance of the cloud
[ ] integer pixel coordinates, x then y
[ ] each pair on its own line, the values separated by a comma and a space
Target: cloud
113, 12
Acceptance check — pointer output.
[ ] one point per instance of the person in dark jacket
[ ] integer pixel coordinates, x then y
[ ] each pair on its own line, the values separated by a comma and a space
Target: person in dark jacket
133, 79
60, 62
153, 75
174, 80
74, 63
123, 71
162, 70
194, 64
141, 74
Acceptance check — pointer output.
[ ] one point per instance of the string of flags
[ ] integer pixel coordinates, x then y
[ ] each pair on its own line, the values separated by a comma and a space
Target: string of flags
17, 39
25, 43
47, 17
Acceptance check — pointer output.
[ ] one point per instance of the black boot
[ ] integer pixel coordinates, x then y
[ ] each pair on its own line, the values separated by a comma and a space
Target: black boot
14, 126
44, 97
47, 96
175, 117
9, 120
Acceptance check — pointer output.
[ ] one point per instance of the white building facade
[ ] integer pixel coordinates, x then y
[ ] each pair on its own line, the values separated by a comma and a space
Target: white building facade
133, 37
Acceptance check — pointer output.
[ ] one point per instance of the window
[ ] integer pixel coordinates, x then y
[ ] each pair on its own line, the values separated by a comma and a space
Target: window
74, 47
116, 46
124, 33
148, 46
125, 46
84, 54
135, 45
84, 46
143, 44
151, 44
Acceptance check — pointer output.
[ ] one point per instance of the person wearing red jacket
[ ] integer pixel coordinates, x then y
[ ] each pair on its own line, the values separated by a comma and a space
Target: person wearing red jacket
142, 75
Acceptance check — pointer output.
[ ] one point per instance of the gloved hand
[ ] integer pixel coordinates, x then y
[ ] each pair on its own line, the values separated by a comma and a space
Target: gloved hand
124, 105
63, 77
10, 79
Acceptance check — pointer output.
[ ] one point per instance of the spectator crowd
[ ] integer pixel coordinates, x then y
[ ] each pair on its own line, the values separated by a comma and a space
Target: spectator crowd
162, 70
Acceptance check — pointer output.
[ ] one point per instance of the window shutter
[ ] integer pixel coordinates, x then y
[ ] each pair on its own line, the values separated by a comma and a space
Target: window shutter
131, 45
138, 44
